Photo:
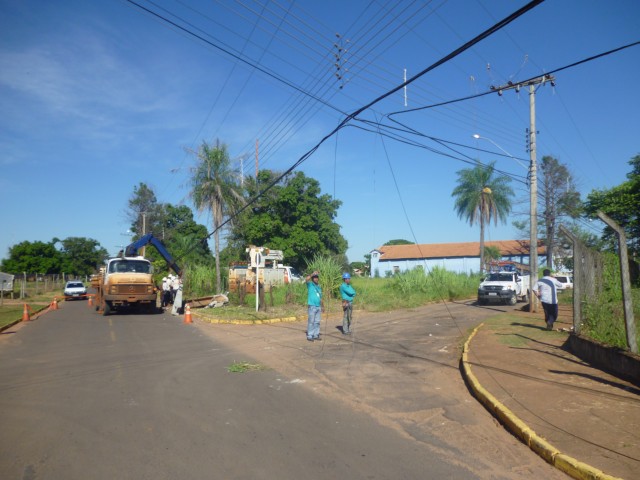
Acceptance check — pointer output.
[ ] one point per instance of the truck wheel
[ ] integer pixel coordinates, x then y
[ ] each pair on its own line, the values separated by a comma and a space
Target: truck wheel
106, 310
513, 299
481, 301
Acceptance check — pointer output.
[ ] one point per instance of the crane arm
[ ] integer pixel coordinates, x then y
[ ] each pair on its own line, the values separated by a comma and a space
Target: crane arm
132, 250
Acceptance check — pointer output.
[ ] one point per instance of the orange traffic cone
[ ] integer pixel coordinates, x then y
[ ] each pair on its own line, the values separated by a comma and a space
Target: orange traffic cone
90, 303
54, 304
25, 313
187, 314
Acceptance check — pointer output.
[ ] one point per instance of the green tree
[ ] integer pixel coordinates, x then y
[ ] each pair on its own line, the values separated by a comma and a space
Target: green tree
399, 241
33, 257
144, 212
293, 216
481, 197
81, 256
214, 189
621, 203
492, 253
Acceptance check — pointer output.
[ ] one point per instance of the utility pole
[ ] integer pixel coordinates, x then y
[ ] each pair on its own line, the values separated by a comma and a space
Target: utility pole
144, 228
533, 181
256, 158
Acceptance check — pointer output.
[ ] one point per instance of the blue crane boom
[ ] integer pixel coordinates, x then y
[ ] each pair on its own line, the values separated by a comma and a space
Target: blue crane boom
132, 250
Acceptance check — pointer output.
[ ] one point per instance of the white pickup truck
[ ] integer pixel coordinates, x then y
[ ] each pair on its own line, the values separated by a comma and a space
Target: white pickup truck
506, 287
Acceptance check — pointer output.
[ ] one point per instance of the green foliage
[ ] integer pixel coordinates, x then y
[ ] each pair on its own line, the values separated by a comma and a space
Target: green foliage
293, 216
33, 257
144, 212
81, 256
438, 284
330, 273
481, 196
215, 189
78, 256
174, 226
604, 313
621, 204
399, 241
199, 281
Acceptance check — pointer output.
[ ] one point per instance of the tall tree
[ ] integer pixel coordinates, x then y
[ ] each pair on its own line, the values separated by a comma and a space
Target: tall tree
481, 197
560, 199
81, 256
144, 212
621, 203
214, 188
293, 216
33, 257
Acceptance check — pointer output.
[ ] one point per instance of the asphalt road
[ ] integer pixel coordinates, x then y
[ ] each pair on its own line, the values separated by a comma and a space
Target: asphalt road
148, 397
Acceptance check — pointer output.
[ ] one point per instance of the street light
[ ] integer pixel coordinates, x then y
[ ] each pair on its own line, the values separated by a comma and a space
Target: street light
478, 137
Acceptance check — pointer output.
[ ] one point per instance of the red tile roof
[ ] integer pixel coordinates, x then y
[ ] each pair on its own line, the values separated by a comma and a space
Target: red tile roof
453, 250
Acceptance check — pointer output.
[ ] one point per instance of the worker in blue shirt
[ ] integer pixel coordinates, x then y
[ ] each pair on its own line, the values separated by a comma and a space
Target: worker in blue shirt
347, 292
315, 304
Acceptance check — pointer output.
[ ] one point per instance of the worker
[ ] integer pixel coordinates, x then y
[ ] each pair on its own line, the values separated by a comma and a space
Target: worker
177, 300
348, 293
315, 306
166, 292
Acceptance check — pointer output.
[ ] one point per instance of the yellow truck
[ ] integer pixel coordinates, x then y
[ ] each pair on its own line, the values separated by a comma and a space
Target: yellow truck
127, 280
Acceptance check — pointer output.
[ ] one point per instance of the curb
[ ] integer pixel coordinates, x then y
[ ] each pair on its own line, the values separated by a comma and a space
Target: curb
572, 467
266, 321
220, 321
36, 314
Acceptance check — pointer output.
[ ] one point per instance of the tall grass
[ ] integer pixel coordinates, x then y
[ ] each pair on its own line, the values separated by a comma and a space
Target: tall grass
438, 284
604, 313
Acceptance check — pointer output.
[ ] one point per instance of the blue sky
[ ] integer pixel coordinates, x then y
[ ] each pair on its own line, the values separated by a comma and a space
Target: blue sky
97, 97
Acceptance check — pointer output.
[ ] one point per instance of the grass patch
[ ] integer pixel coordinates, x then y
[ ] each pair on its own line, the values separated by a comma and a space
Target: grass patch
518, 330
242, 367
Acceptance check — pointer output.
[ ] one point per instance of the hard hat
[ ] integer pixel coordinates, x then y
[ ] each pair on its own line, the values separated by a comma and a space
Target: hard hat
346, 276
164, 278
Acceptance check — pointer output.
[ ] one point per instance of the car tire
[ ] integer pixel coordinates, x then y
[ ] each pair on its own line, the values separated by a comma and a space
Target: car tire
512, 300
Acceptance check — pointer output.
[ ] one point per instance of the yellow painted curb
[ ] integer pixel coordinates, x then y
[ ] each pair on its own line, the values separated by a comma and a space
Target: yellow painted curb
565, 463
222, 321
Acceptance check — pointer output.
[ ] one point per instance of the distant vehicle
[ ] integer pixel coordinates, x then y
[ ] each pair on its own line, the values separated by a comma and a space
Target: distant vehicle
565, 280
75, 289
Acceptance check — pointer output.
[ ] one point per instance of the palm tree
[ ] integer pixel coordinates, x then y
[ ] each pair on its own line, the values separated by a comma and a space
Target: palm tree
214, 188
481, 197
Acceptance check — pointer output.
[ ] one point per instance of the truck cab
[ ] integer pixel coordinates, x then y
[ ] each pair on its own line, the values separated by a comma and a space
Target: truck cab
505, 287
126, 282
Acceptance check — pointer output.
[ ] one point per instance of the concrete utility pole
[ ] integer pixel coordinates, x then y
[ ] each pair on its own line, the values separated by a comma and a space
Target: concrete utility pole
533, 182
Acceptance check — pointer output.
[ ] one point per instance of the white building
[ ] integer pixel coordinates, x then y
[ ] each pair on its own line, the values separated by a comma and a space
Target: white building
454, 257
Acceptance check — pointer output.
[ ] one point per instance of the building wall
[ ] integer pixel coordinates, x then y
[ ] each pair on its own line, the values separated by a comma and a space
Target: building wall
466, 265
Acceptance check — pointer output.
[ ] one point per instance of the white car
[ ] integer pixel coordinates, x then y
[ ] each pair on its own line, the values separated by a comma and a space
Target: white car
565, 280
75, 289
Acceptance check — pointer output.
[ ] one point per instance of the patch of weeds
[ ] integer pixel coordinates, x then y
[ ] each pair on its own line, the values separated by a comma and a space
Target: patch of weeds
241, 367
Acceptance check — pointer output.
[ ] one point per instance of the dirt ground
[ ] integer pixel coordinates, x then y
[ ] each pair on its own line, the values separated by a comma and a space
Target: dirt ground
402, 368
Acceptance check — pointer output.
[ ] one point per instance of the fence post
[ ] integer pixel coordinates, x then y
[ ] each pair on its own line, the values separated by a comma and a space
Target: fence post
629, 321
577, 278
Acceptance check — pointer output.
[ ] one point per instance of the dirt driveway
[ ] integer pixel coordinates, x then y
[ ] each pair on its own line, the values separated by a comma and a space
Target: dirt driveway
402, 369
